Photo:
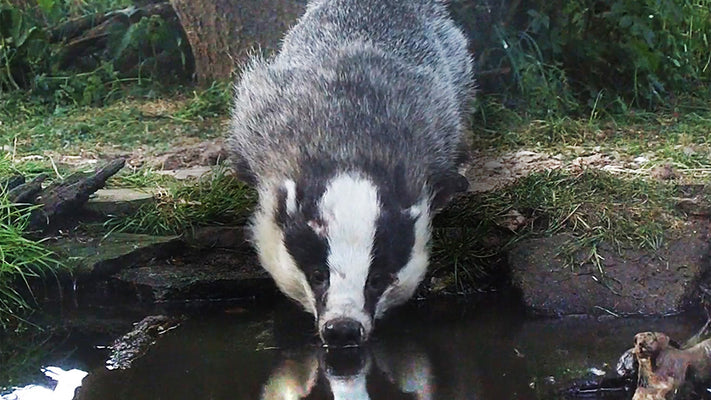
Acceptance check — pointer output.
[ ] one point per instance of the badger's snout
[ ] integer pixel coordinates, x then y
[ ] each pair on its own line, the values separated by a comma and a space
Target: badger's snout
342, 332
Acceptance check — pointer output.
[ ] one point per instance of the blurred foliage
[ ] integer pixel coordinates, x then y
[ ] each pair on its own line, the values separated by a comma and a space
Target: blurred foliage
22, 45
547, 58
558, 57
57, 53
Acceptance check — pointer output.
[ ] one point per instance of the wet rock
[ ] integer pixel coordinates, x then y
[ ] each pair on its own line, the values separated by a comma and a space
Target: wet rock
92, 258
212, 263
216, 274
217, 264
134, 344
628, 282
225, 237
118, 202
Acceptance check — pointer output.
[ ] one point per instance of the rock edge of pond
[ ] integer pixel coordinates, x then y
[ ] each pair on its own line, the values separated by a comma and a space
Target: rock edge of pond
217, 263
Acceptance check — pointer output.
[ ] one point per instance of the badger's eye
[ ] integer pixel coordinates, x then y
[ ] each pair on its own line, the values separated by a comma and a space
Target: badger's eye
318, 277
378, 282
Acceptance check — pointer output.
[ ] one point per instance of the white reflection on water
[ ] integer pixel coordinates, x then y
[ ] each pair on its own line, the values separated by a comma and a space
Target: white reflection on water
347, 374
67, 383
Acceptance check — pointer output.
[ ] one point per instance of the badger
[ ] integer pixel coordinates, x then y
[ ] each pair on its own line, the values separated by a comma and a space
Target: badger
352, 135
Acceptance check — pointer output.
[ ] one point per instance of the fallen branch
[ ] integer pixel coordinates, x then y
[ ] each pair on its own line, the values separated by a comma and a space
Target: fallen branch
27, 192
61, 198
65, 197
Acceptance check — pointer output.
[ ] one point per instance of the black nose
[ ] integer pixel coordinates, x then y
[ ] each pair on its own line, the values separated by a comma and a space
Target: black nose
342, 332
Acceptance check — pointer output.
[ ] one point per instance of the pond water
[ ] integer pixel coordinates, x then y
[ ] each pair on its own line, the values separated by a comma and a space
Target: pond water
488, 349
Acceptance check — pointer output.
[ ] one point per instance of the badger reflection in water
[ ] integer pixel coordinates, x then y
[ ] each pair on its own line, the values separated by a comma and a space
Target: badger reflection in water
347, 371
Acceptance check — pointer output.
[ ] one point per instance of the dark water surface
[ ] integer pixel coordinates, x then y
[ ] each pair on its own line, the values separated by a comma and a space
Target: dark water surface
435, 350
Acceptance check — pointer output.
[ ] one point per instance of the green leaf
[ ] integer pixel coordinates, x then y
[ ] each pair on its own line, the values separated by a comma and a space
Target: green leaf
46, 5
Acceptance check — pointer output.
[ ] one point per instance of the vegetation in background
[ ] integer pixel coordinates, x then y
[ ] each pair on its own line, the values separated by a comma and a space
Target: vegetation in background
39, 55
665, 136
542, 58
560, 57
32, 128
214, 101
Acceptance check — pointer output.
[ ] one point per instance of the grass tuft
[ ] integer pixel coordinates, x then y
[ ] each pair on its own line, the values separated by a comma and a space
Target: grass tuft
594, 206
20, 260
217, 198
214, 101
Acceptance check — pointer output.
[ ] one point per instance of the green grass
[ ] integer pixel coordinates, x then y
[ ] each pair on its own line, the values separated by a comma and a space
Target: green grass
55, 11
596, 207
593, 204
216, 199
144, 177
21, 259
30, 128
211, 102
680, 137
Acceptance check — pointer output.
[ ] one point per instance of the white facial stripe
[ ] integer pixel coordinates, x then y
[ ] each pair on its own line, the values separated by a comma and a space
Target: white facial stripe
290, 187
350, 210
274, 256
409, 277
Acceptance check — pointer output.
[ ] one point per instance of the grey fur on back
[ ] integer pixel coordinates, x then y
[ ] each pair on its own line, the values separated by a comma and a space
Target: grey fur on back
375, 82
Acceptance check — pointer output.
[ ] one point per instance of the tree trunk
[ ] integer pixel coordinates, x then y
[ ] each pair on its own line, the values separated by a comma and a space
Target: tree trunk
223, 33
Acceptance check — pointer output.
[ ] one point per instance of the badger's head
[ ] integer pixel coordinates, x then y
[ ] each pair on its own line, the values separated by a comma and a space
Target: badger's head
346, 248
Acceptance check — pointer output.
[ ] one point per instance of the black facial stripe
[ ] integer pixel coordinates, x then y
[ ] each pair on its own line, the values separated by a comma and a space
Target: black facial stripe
309, 250
394, 239
280, 213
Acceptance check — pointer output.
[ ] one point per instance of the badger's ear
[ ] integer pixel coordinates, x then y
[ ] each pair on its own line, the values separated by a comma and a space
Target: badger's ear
445, 185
